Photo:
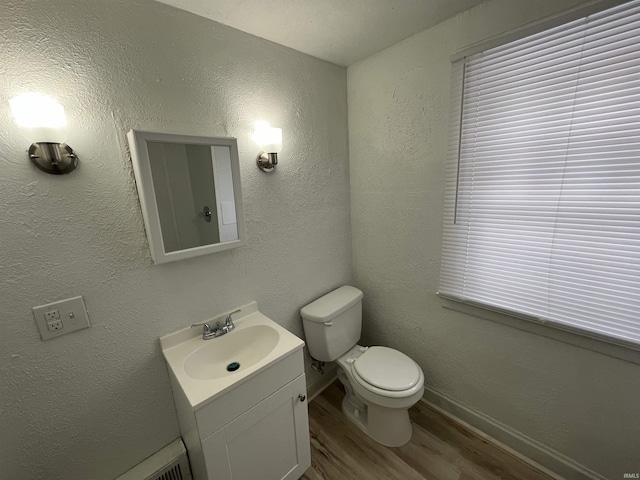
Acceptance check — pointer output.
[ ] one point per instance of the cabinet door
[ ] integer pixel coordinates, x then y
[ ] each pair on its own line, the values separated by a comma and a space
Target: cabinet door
268, 442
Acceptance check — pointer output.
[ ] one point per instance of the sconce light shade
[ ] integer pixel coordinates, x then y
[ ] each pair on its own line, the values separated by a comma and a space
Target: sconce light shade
270, 140
44, 122
41, 117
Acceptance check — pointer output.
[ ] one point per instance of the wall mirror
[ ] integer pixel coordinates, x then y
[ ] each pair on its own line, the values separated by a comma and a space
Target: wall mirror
189, 189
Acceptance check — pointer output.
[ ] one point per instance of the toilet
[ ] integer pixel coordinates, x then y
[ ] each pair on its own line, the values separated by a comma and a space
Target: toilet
381, 383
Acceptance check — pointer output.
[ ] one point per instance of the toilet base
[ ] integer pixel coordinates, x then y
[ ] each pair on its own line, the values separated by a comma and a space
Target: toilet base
355, 414
390, 427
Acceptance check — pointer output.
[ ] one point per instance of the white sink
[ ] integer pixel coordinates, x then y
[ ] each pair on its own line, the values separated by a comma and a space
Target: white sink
244, 347
200, 366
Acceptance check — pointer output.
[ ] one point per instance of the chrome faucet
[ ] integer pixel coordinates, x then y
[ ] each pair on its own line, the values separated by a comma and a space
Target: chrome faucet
218, 329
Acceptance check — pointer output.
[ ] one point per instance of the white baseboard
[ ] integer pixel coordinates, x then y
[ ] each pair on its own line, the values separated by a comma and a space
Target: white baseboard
509, 439
330, 375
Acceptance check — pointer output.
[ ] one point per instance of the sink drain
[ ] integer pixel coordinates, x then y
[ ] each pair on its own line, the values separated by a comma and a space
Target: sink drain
233, 366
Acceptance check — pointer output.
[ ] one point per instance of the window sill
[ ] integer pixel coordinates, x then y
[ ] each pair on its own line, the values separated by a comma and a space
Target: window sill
579, 339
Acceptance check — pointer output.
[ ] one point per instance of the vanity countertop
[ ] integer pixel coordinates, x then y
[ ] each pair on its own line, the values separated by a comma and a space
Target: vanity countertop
189, 356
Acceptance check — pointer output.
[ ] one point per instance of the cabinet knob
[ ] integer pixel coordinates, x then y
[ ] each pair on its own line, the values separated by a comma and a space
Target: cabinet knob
302, 398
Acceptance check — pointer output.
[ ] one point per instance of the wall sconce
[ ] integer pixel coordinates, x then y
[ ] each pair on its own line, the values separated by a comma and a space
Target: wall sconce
270, 140
43, 121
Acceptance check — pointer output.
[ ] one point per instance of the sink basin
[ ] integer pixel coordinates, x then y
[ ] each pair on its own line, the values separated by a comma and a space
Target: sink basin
198, 367
244, 346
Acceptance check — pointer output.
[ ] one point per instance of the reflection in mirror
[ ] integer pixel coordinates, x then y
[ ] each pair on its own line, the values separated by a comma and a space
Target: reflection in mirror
190, 193
193, 212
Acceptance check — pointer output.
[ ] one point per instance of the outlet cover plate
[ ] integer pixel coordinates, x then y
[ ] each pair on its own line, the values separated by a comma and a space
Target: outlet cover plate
73, 315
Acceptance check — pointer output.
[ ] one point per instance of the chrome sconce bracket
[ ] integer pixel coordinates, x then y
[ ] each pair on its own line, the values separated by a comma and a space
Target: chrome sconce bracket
267, 161
55, 158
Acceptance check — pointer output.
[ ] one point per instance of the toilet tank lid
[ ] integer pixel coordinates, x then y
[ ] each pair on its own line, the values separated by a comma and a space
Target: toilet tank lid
332, 304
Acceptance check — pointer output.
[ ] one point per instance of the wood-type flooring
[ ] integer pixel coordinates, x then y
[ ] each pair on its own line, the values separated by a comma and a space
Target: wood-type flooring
441, 449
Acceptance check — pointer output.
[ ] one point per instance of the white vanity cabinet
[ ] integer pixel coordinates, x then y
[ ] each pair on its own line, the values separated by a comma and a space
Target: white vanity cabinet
241, 398
259, 429
270, 441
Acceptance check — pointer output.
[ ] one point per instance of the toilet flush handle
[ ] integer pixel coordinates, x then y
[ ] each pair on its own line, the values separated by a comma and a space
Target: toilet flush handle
328, 323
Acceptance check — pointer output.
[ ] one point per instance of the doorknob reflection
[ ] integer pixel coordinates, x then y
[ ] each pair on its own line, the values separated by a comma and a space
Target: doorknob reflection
206, 214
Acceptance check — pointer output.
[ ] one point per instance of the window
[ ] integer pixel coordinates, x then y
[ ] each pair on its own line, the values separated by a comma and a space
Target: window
542, 202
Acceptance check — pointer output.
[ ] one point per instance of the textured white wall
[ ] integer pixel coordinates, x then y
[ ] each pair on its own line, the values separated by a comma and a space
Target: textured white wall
92, 404
578, 402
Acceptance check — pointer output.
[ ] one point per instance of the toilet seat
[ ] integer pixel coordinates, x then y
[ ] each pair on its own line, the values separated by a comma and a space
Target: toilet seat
377, 395
366, 392
386, 369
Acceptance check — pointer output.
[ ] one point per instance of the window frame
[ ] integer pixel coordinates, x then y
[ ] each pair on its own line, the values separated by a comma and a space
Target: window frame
610, 346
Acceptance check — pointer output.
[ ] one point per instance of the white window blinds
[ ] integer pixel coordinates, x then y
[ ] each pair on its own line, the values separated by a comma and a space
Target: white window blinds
542, 206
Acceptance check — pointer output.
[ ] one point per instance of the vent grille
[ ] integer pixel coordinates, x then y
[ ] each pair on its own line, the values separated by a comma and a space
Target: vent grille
172, 473
170, 463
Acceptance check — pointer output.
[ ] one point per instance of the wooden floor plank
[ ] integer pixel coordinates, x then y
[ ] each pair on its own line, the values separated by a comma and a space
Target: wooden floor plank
346, 449
475, 451
441, 449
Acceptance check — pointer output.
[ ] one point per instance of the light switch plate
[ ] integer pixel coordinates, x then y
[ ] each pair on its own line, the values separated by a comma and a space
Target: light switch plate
73, 316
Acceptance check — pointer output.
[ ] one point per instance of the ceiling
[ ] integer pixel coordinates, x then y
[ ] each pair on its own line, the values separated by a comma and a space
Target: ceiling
339, 31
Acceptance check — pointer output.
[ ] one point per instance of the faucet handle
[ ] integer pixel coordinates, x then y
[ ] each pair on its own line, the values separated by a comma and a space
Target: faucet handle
205, 325
229, 322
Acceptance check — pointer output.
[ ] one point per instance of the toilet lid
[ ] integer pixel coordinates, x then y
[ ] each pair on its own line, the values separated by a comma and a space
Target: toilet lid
387, 369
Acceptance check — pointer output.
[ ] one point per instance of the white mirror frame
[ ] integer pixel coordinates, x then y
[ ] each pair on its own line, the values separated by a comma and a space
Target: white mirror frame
144, 183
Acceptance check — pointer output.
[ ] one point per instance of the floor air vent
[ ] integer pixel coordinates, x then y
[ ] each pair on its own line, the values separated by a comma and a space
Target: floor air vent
172, 473
170, 463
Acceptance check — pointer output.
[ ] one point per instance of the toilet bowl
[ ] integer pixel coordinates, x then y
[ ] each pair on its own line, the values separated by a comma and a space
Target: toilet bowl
378, 403
381, 383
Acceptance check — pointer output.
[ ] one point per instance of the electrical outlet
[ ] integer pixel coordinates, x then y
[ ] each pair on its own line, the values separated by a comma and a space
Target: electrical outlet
54, 323
60, 318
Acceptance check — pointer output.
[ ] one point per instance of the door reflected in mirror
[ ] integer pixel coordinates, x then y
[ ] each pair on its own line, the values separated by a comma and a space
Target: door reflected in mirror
189, 189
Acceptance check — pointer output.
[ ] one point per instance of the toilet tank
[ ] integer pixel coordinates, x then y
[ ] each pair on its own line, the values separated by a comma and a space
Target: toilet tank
332, 323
